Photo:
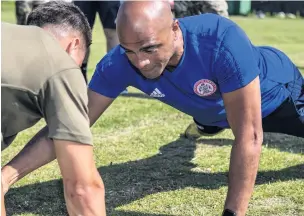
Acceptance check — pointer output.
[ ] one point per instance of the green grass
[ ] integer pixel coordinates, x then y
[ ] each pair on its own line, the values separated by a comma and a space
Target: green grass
149, 169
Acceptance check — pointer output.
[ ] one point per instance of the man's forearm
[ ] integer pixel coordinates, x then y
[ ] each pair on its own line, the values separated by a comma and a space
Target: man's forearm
37, 152
3, 211
244, 164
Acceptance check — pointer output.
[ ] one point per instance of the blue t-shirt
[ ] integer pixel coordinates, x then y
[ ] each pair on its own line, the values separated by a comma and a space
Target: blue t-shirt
218, 58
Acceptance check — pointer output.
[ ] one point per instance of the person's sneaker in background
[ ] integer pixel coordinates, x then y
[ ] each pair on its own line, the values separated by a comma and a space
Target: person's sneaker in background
260, 14
195, 131
280, 15
291, 16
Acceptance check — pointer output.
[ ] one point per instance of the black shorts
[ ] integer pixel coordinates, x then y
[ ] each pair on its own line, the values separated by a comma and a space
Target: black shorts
107, 11
288, 118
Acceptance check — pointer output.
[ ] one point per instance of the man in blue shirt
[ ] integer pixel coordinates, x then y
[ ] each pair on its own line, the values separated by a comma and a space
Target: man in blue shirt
208, 58
206, 67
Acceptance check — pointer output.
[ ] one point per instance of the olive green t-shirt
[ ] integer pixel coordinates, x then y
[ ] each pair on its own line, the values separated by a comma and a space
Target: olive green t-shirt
40, 80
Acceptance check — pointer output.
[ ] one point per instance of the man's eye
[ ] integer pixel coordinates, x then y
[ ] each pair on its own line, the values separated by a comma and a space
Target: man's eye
151, 50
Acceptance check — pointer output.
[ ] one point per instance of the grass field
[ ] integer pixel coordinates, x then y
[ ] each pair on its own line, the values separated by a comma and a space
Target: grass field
149, 169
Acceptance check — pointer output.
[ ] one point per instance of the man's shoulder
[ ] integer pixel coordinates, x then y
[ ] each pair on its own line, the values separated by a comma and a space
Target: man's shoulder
206, 25
8, 27
31, 57
24, 35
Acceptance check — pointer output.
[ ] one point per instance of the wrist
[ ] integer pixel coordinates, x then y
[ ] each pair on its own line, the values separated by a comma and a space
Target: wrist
228, 212
9, 176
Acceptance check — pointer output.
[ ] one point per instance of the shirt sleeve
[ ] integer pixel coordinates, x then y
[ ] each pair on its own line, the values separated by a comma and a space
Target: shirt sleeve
109, 81
64, 102
236, 64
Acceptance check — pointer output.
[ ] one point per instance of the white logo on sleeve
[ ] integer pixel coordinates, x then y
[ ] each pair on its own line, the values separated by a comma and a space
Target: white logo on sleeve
157, 93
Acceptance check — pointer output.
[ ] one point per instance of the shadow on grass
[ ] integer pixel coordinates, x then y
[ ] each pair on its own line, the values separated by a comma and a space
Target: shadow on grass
127, 182
282, 142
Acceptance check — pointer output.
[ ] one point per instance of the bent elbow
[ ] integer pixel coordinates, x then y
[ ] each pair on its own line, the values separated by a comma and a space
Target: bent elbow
257, 141
86, 190
84, 193
258, 137
251, 139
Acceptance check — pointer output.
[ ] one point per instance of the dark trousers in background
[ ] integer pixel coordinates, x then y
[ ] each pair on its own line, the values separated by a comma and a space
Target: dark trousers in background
107, 11
260, 6
278, 6
285, 6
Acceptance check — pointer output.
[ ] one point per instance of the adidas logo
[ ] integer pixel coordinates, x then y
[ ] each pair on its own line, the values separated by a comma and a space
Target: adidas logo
157, 93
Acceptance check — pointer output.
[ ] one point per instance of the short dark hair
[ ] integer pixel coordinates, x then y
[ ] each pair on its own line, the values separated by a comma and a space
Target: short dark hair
62, 14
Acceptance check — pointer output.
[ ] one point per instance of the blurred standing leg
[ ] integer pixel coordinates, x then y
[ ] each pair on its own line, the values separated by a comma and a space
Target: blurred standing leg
107, 11
89, 8
291, 8
219, 7
278, 9
260, 8
190, 8
23, 8
301, 8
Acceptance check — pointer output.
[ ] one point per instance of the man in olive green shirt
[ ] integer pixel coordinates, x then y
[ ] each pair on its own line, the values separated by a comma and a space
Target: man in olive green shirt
41, 79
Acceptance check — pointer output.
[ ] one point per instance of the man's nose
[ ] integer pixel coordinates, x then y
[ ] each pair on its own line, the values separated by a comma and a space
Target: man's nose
142, 61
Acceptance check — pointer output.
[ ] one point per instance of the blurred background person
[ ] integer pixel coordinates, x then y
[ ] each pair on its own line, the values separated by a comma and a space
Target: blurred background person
260, 8
285, 9
107, 11
280, 9
23, 8
190, 8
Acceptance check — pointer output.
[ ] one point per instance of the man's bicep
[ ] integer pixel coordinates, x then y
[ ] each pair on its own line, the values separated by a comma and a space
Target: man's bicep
243, 108
65, 107
109, 82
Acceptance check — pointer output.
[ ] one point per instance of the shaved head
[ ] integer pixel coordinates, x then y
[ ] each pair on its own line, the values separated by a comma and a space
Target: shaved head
141, 16
149, 35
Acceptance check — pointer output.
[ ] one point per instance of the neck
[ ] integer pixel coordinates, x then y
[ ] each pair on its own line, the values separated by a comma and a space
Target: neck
175, 59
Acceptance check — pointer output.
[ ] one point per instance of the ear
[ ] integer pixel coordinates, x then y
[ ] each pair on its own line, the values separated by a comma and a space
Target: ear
68, 48
73, 45
76, 51
175, 25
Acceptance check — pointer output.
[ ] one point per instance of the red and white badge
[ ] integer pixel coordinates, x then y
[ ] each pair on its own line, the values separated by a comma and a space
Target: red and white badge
204, 87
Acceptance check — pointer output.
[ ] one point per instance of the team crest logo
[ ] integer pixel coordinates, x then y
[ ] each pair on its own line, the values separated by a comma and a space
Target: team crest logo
204, 87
